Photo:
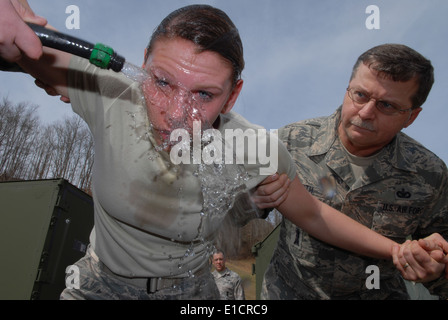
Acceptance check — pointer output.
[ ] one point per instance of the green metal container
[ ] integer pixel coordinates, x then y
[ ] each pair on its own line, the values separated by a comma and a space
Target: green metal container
44, 228
263, 251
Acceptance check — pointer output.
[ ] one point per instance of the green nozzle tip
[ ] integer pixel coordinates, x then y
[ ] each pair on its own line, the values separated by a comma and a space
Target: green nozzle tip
101, 55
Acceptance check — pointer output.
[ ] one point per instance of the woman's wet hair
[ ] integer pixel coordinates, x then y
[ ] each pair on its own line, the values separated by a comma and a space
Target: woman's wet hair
207, 27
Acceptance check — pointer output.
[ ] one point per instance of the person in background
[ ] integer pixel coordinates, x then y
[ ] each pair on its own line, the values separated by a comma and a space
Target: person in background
228, 282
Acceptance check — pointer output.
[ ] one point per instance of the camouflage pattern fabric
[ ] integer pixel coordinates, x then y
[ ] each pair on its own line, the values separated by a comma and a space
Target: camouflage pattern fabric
229, 285
96, 282
402, 193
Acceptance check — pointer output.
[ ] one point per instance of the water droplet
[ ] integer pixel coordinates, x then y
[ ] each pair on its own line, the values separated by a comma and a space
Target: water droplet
134, 73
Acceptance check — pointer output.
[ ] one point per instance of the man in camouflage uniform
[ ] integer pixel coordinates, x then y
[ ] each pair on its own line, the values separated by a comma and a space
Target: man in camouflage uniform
358, 161
227, 281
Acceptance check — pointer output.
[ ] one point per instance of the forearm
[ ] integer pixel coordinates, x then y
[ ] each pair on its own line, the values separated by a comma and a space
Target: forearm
51, 69
332, 226
344, 232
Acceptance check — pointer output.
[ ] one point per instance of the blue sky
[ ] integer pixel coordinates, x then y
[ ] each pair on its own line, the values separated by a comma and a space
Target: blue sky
299, 53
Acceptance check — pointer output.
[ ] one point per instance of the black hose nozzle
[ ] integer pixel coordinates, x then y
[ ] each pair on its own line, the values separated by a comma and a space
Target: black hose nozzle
98, 54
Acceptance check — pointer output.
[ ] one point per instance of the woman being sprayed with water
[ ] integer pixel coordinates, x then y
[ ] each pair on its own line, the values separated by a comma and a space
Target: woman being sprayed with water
154, 220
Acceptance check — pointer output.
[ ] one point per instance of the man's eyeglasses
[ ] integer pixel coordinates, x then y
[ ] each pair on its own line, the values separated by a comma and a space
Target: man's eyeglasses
361, 98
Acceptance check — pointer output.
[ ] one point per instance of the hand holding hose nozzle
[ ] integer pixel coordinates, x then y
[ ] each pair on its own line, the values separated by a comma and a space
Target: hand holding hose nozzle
98, 54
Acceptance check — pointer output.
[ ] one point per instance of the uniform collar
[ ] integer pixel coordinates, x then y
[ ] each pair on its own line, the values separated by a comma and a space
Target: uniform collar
223, 273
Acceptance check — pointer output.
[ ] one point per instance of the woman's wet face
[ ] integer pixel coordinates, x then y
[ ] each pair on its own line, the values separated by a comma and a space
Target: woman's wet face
184, 86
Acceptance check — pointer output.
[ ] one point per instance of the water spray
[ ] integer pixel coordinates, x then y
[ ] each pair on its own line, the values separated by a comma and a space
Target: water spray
98, 54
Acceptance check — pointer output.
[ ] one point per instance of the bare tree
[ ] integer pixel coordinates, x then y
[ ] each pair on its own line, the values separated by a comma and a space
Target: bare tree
43, 155
29, 150
18, 126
